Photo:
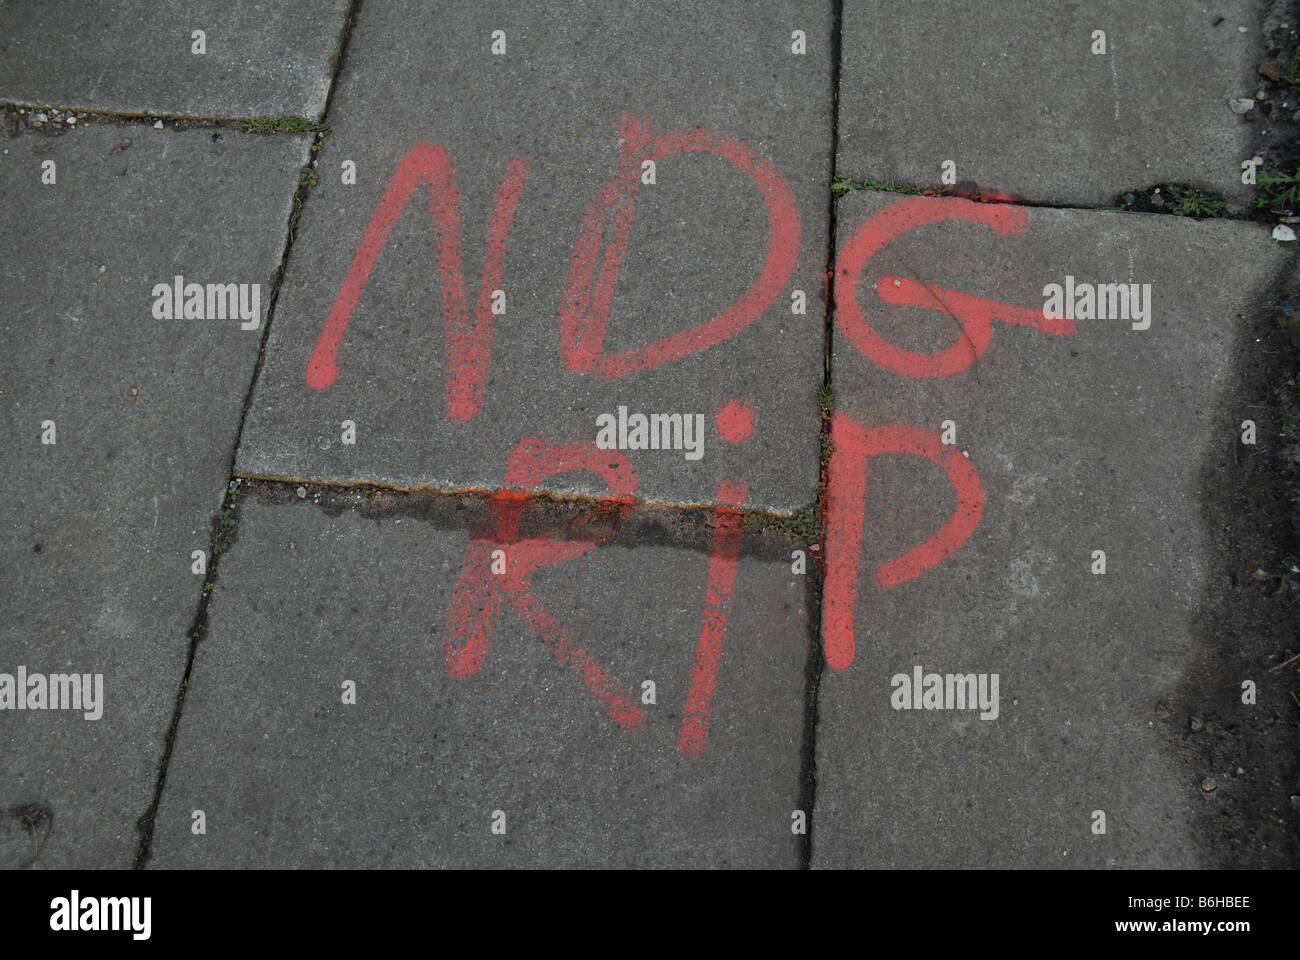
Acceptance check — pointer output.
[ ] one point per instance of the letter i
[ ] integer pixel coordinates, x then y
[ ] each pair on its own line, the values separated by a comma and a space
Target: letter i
735, 424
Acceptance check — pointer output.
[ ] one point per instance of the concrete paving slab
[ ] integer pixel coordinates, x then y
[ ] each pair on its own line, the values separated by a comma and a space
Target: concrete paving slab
142, 413
1087, 441
412, 772
738, 127
1016, 98
142, 57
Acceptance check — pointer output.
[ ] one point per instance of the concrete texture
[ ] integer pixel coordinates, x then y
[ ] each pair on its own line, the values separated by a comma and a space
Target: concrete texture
137, 56
410, 775
99, 526
1119, 693
1016, 98
1089, 442
700, 239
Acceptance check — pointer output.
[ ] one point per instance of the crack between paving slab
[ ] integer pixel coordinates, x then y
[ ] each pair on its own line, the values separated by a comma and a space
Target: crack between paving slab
774, 516
902, 188
1251, 217
292, 123
769, 536
225, 525
816, 661
961, 327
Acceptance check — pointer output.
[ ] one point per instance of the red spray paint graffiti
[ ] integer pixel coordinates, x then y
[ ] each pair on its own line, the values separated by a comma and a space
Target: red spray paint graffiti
481, 596
469, 345
735, 424
853, 447
975, 314
588, 296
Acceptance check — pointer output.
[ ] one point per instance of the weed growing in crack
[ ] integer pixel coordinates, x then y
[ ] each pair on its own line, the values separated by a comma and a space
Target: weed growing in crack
842, 185
283, 125
1190, 202
1278, 191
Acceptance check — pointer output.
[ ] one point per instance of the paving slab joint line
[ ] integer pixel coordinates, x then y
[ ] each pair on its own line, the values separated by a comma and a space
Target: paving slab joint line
224, 527
801, 527
226, 524
816, 662
842, 186
87, 115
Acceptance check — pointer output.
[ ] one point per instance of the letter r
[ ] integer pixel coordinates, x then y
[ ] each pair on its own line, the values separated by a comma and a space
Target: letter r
479, 596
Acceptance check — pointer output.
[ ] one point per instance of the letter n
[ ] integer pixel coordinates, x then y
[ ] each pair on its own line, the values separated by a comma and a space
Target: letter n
852, 447
469, 343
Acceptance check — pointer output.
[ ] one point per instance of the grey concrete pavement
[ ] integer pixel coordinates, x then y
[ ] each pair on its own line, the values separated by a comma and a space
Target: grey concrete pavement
702, 236
1092, 441
411, 774
522, 220
100, 523
1015, 97
142, 57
